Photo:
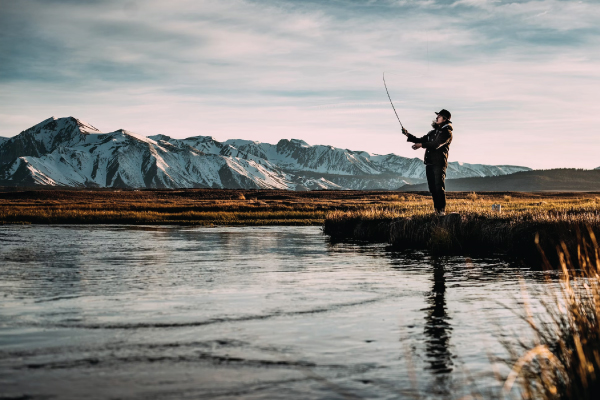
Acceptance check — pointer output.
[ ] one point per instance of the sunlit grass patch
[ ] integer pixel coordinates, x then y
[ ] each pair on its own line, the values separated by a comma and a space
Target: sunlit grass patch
205, 207
208, 206
472, 226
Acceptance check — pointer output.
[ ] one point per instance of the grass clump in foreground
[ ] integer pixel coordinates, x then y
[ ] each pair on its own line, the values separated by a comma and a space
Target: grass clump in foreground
473, 228
563, 359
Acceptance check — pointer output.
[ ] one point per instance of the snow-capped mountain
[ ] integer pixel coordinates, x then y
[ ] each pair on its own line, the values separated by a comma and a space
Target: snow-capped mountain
3, 139
70, 152
296, 156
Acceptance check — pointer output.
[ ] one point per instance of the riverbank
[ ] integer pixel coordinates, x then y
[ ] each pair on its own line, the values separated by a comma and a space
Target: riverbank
403, 220
472, 227
181, 207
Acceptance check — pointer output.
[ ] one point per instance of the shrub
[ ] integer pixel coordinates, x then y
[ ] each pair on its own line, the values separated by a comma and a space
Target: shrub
472, 196
507, 198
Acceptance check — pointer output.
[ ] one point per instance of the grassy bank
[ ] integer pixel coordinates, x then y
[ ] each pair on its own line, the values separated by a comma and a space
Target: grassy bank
475, 228
189, 207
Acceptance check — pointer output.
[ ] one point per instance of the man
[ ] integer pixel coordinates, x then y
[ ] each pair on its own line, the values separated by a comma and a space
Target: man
437, 145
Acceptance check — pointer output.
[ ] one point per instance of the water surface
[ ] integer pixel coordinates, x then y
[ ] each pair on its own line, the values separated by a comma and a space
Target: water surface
243, 312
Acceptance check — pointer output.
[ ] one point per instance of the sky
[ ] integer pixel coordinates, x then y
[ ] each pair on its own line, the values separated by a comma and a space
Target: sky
521, 78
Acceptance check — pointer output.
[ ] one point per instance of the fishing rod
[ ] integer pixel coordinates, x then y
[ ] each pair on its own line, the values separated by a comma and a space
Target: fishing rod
388, 93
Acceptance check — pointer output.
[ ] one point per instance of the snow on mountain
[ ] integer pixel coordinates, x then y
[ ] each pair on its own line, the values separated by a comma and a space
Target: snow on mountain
124, 159
464, 170
70, 152
45, 137
296, 156
3, 139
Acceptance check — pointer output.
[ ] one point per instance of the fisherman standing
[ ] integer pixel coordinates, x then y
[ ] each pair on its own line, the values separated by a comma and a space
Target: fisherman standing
437, 145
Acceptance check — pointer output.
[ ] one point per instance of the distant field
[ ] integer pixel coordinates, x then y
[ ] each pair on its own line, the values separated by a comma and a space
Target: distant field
190, 207
248, 207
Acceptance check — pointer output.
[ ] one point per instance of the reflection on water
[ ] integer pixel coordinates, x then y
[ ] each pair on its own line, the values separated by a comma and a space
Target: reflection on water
438, 330
271, 312
437, 326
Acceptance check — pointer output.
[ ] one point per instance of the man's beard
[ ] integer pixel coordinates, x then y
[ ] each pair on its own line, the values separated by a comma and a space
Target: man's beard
434, 123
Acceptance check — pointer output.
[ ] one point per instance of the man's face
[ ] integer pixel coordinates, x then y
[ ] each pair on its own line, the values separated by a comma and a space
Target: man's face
439, 119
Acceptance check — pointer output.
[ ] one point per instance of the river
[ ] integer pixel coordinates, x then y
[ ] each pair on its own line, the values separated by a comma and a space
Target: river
143, 312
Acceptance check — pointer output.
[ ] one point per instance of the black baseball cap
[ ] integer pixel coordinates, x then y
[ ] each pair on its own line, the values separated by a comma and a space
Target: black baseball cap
444, 113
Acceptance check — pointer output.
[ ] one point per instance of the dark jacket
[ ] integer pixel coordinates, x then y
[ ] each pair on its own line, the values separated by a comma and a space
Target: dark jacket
436, 144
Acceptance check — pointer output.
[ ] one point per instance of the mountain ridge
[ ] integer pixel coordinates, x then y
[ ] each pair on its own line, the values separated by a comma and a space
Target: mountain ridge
70, 152
559, 179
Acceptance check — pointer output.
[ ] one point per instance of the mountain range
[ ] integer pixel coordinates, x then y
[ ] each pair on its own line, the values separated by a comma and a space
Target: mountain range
70, 152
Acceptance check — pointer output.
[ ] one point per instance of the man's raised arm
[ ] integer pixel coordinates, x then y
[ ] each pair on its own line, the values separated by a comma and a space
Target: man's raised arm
412, 138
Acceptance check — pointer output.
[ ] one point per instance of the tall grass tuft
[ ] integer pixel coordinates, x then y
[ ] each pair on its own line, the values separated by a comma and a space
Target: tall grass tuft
472, 196
563, 359
392, 197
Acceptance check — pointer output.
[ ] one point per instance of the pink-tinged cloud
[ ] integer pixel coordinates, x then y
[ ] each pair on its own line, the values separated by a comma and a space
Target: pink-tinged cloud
520, 78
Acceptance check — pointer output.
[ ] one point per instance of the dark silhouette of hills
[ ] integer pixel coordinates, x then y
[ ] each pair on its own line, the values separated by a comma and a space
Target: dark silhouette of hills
526, 181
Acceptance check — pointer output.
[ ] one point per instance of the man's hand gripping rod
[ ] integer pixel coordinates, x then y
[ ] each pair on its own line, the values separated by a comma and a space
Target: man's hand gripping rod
404, 131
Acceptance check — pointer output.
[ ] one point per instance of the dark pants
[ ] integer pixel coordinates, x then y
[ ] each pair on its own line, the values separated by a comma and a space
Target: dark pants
436, 179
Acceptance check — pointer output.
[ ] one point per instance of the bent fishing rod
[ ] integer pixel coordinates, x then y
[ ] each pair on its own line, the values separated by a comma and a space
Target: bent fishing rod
394, 108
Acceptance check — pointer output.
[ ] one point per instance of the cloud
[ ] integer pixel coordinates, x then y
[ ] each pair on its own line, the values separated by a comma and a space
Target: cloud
312, 69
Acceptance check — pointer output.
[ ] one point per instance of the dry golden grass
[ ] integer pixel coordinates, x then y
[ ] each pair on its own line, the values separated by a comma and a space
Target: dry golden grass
472, 196
562, 361
475, 228
258, 207
563, 208
194, 206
